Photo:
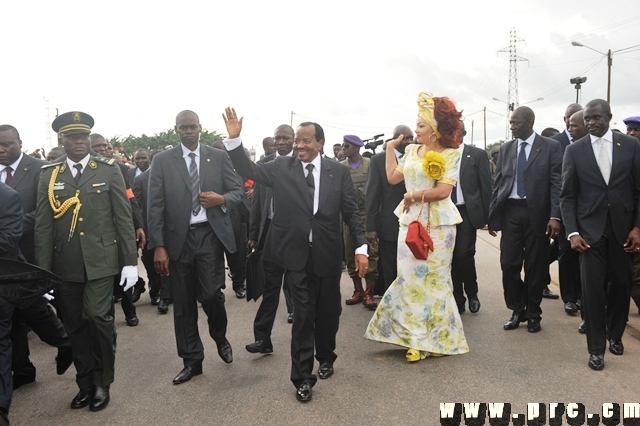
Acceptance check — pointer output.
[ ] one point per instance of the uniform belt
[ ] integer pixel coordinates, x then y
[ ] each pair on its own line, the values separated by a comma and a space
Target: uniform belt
198, 225
517, 202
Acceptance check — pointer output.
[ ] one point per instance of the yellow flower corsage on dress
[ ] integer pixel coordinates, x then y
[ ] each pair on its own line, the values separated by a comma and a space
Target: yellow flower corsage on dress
433, 165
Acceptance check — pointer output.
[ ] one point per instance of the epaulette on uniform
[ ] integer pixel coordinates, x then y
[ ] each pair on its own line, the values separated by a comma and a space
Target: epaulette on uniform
46, 166
109, 161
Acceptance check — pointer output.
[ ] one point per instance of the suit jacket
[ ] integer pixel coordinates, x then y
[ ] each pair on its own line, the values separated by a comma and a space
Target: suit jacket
585, 195
287, 243
25, 182
169, 203
141, 191
131, 176
475, 183
103, 240
260, 205
10, 222
382, 199
542, 180
563, 139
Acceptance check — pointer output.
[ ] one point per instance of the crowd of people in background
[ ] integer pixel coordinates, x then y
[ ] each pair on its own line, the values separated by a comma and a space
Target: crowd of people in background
194, 212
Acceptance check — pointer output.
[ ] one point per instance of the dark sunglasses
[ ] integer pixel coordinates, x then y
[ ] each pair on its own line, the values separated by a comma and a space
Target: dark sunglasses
346, 145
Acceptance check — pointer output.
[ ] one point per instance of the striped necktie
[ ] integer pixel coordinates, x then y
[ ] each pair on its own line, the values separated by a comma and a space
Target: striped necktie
195, 184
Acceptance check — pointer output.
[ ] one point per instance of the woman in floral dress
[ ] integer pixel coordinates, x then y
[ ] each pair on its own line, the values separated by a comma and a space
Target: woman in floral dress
418, 311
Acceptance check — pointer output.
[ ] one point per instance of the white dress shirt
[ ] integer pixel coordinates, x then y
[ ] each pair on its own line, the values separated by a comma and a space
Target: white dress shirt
83, 162
607, 139
202, 214
527, 150
14, 167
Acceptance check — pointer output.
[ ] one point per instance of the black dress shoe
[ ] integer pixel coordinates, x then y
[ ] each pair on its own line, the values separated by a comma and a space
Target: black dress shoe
82, 399
100, 398
186, 374
515, 321
240, 293
570, 308
582, 329
163, 308
19, 380
474, 305
137, 291
325, 370
579, 304
548, 294
462, 309
132, 322
224, 350
155, 301
290, 317
63, 360
303, 393
596, 362
616, 347
533, 325
260, 346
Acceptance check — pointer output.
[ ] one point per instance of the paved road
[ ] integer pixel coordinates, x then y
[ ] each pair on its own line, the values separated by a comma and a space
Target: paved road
373, 384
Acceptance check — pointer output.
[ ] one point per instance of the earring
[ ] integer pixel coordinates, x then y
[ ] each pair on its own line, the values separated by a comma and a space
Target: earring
435, 138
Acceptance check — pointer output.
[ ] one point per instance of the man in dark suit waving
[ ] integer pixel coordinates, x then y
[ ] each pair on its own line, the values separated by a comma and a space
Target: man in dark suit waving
471, 196
191, 189
600, 203
525, 207
303, 238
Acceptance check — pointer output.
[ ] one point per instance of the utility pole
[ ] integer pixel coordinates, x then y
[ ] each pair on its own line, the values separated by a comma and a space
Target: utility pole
472, 132
47, 124
512, 90
485, 128
291, 124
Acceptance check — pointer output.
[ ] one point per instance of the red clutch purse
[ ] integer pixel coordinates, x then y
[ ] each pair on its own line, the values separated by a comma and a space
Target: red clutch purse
418, 239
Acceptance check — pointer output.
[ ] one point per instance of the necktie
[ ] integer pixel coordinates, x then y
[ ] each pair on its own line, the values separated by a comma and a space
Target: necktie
8, 176
195, 184
603, 161
310, 182
78, 167
454, 194
522, 164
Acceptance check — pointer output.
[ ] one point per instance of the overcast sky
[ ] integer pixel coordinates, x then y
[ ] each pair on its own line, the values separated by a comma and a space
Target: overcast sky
355, 67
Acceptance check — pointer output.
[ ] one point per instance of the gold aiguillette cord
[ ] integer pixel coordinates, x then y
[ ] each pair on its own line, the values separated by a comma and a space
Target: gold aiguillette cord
60, 209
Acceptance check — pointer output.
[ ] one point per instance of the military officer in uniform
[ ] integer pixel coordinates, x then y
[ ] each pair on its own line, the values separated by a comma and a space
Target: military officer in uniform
359, 168
83, 227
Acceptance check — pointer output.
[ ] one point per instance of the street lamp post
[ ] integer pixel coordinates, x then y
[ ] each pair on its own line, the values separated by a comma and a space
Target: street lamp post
609, 56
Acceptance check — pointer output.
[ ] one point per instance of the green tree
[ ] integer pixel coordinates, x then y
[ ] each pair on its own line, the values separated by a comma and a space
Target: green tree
490, 147
158, 141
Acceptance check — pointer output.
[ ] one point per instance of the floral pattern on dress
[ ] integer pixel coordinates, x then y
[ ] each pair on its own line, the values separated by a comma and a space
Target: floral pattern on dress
418, 311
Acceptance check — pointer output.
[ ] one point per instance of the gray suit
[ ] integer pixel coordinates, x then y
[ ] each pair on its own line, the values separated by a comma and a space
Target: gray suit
196, 252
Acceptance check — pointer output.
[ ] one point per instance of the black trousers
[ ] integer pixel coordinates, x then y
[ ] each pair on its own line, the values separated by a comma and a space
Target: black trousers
605, 270
568, 269
152, 276
43, 321
266, 315
198, 276
387, 264
316, 318
6, 379
463, 265
520, 245
237, 260
128, 308
87, 309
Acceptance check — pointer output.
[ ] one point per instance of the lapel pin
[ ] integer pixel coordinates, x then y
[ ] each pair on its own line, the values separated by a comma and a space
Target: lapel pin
468, 156
208, 160
26, 168
618, 143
